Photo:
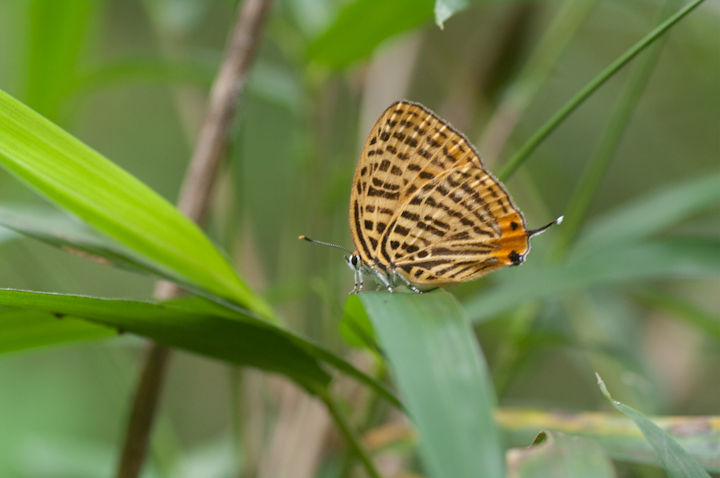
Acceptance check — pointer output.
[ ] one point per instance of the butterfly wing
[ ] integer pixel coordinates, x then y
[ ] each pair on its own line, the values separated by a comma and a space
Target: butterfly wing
457, 227
408, 147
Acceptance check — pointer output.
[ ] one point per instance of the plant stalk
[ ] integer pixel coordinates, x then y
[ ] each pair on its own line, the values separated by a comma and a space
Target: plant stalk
349, 435
194, 201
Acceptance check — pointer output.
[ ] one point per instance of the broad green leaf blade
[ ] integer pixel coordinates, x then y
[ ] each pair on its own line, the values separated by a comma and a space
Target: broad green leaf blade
218, 308
25, 329
631, 263
362, 25
616, 434
441, 373
82, 181
676, 461
652, 213
70, 235
204, 327
251, 342
560, 456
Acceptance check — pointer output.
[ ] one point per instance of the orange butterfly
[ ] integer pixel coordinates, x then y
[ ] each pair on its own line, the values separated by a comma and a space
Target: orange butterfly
424, 212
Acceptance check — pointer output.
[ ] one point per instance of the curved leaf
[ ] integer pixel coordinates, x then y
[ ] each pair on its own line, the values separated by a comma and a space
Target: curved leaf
80, 180
676, 461
187, 325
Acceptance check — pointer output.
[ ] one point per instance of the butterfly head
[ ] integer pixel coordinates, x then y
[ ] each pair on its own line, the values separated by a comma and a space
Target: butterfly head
353, 261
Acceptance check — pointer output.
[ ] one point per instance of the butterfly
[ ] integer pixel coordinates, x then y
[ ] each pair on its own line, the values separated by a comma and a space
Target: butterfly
424, 212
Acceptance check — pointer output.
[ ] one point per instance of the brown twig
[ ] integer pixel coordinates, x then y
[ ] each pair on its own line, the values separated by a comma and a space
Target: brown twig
195, 198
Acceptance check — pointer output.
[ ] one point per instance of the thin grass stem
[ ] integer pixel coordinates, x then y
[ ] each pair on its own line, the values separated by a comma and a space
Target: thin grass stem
596, 168
522, 154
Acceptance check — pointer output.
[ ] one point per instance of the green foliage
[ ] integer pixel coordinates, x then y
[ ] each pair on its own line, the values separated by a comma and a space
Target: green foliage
626, 288
436, 361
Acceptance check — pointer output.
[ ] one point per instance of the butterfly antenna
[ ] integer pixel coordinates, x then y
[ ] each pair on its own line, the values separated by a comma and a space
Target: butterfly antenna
305, 238
540, 230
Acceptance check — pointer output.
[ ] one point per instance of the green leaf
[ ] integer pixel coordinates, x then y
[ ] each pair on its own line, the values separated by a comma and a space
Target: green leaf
617, 434
671, 258
355, 326
208, 330
676, 461
24, 329
560, 456
441, 373
80, 180
65, 232
362, 25
653, 212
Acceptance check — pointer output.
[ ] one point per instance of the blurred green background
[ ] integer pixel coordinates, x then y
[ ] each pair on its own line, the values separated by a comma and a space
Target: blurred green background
130, 78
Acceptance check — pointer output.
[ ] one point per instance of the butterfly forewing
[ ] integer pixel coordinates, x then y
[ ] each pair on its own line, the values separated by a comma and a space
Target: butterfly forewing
407, 147
423, 205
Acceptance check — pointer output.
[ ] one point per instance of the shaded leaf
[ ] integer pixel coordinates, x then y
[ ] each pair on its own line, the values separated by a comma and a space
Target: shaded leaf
441, 373
206, 328
250, 342
22, 329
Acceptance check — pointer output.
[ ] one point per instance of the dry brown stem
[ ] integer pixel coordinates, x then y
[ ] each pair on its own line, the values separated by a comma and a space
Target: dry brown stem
195, 198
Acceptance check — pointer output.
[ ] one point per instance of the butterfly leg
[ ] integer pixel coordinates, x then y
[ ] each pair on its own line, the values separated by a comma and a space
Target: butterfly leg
385, 281
407, 283
358, 282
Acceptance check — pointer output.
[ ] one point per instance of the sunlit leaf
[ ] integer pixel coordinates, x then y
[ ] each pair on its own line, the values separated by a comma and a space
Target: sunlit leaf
77, 178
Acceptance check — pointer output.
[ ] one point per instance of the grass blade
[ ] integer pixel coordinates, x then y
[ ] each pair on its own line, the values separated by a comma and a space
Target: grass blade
617, 434
676, 461
545, 130
440, 371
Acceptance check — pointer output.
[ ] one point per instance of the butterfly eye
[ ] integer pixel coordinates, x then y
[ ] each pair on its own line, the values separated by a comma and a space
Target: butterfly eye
353, 261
